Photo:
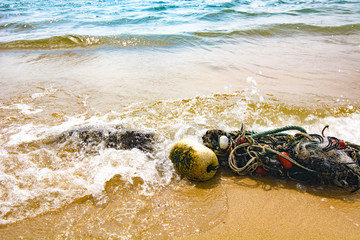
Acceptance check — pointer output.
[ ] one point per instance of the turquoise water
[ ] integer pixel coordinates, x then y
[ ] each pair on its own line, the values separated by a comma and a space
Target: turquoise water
68, 24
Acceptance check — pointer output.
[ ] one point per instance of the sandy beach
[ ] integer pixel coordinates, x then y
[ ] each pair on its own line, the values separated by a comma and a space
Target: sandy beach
227, 208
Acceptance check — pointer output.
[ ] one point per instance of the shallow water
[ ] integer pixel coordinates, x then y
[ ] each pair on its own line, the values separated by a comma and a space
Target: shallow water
200, 66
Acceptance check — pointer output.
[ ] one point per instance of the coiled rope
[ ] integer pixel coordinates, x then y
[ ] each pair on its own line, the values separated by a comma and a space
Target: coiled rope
302, 157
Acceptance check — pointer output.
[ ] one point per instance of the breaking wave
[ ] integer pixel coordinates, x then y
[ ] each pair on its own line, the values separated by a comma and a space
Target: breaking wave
204, 37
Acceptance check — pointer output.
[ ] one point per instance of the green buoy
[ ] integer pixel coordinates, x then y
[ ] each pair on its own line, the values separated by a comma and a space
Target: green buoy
194, 160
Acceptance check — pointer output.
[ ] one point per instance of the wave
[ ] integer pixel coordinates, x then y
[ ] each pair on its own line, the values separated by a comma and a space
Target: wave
286, 30
228, 13
156, 40
77, 41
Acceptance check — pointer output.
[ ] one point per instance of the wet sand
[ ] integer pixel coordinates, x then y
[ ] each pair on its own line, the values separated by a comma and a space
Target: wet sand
227, 208
286, 213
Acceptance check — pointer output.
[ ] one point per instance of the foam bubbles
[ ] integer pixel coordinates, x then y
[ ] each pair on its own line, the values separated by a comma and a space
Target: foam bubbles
129, 164
345, 128
39, 181
26, 109
46, 92
40, 174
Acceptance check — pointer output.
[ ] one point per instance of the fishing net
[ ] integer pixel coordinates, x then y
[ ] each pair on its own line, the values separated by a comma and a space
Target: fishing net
304, 157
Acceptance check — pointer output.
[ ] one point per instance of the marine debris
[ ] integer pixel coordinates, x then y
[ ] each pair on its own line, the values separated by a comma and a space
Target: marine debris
303, 157
194, 160
117, 138
311, 158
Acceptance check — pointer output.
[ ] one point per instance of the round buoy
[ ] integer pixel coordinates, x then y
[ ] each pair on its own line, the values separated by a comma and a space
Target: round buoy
194, 160
286, 163
223, 142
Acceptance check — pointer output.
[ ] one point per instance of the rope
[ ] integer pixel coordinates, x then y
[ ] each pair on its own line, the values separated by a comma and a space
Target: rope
246, 169
279, 130
310, 158
250, 166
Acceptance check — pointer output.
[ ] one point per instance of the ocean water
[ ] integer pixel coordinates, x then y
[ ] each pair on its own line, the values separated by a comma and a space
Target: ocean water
176, 69
83, 24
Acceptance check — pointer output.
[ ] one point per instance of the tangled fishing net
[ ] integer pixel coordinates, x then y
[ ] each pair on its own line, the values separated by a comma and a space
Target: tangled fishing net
304, 157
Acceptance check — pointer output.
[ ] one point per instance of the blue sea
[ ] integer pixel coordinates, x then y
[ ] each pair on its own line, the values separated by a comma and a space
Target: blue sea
175, 69
82, 24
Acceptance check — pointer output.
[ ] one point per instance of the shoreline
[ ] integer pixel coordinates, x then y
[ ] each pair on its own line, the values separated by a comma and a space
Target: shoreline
250, 207
176, 92
299, 70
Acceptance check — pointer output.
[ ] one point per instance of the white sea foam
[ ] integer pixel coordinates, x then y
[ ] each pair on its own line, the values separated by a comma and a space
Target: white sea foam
31, 132
24, 133
345, 128
61, 181
129, 164
26, 109
45, 92
45, 177
40, 176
